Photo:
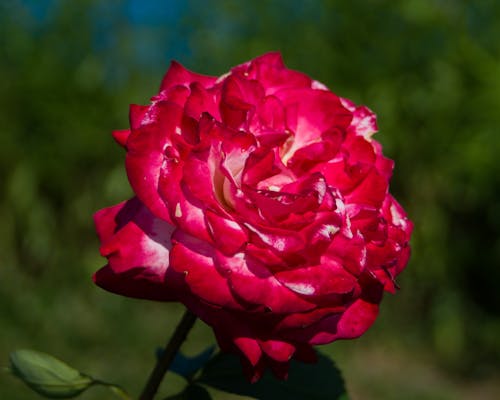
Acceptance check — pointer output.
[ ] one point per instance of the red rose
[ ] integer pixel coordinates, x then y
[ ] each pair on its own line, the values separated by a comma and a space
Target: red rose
262, 204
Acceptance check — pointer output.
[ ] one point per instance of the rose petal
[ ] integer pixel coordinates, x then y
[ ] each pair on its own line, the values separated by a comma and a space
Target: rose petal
270, 70
146, 157
195, 259
228, 235
278, 350
137, 245
315, 112
371, 191
319, 280
178, 75
252, 282
200, 101
138, 115
250, 348
121, 136
357, 319
364, 122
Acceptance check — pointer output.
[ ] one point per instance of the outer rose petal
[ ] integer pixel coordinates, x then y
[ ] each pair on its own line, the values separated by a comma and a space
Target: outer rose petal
146, 157
278, 350
250, 348
349, 325
121, 136
270, 70
178, 75
137, 246
364, 122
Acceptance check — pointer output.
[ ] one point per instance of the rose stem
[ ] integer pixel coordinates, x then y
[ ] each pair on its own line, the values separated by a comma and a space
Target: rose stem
166, 358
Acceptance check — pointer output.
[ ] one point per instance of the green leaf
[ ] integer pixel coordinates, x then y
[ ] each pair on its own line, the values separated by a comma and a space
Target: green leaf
47, 375
196, 392
192, 392
321, 381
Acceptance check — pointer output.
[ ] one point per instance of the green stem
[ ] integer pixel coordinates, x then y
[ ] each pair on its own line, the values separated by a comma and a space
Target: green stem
171, 349
116, 389
119, 392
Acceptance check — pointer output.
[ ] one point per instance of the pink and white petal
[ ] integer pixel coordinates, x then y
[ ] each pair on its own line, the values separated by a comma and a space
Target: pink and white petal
178, 75
186, 212
228, 236
317, 111
285, 243
198, 178
137, 116
350, 252
260, 165
143, 241
146, 155
271, 72
352, 323
359, 315
135, 283
254, 283
276, 206
364, 122
319, 280
249, 68
265, 256
176, 94
109, 220
137, 245
196, 260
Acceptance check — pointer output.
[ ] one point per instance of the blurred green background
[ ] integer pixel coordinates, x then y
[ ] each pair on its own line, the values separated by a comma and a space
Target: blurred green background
430, 69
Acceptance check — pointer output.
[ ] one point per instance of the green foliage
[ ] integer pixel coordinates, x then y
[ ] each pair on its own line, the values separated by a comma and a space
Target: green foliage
191, 392
305, 381
53, 378
47, 375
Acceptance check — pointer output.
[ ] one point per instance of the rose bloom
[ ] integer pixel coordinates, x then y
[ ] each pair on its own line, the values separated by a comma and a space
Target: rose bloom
262, 204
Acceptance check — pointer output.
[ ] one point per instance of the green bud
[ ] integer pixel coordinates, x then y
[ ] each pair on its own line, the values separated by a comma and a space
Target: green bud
47, 375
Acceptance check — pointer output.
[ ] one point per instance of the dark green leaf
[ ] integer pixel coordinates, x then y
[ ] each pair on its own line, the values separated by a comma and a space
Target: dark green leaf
321, 381
47, 375
188, 366
192, 392
196, 392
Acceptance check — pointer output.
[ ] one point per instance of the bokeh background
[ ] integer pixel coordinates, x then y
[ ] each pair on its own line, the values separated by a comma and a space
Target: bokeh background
430, 69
